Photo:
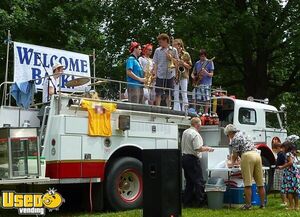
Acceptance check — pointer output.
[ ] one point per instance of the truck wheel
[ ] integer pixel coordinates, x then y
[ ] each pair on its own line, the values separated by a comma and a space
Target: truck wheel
124, 184
270, 174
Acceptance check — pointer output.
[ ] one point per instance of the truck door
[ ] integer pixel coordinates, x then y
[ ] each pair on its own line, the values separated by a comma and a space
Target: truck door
274, 127
249, 121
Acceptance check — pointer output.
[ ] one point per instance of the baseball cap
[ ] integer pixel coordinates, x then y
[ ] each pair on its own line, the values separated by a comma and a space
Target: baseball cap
56, 65
133, 45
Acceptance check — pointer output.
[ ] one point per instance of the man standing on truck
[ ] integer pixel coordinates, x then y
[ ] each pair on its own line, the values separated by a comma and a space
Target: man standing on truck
192, 146
202, 75
164, 70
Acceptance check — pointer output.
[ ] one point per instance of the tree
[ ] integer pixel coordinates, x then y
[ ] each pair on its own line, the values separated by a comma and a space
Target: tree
58, 24
258, 39
256, 43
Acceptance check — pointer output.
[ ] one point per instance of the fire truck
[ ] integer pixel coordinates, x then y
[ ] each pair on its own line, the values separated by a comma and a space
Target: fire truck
52, 147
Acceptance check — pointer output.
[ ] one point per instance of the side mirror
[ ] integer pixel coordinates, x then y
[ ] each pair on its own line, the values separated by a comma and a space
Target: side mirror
282, 108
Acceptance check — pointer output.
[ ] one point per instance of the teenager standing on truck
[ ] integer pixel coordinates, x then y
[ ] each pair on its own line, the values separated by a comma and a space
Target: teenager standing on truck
162, 58
202, 75
192, 146
135, 75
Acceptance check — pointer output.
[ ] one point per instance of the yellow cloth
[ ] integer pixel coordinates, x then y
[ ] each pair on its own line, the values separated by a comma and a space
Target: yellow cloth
99, 117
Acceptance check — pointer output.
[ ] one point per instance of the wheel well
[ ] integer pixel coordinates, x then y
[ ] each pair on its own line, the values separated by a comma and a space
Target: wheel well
267, 153
128, 151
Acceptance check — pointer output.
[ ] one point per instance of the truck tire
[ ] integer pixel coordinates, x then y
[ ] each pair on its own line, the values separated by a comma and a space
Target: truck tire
124, 184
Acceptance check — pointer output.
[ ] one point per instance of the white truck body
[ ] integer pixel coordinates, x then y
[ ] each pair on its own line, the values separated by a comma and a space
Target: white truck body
72, 156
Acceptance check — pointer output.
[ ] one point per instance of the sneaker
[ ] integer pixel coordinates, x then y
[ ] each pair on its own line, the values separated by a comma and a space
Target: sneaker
262, 206
246, 207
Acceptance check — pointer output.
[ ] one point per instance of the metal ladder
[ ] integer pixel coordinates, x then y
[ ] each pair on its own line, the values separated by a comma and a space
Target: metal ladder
43, 128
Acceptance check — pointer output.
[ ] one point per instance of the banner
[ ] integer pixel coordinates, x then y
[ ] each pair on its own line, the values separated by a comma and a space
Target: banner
30, 60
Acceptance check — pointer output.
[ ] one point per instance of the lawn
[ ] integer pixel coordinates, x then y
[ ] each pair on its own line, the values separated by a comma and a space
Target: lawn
273, 209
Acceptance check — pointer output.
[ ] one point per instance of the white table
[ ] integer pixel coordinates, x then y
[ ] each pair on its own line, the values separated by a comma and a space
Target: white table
230, 170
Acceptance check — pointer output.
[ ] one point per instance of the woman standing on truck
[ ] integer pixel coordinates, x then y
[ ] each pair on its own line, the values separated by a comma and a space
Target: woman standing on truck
251, 163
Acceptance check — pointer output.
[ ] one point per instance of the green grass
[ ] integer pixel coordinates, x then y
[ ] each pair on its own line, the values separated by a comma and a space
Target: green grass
273, 209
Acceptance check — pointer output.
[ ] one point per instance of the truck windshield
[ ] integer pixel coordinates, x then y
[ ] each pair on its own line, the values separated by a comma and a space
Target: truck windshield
225, 109
272, 120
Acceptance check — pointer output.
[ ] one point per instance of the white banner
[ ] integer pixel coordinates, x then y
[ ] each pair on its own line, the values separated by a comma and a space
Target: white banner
30, 60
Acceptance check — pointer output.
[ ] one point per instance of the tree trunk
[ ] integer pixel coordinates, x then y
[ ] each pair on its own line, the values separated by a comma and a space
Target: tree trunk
256, 61
256, 77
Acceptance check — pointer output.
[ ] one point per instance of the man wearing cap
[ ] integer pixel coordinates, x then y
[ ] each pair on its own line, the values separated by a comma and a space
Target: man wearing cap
135, 75
251, 163
50, 84
192, 146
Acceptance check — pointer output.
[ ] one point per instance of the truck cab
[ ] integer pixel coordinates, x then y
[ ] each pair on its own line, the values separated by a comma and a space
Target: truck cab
258, 120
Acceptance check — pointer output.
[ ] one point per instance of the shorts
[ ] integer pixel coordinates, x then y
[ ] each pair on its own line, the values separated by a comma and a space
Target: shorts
277, 181
201, 93
166, 83
135, 94
251, 167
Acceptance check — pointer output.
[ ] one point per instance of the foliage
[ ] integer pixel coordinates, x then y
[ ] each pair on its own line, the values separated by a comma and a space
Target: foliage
60, 24
292, 102
256, 43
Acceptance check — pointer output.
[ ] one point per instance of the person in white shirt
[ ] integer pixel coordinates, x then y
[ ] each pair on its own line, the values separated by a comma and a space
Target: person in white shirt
192, 146
147, 65
50, 85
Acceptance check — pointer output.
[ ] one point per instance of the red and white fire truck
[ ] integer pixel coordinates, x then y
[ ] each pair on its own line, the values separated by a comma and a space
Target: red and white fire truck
109, 169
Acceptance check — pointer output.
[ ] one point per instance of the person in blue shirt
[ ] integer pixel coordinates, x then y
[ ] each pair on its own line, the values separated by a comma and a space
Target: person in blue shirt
135, 74
202, 92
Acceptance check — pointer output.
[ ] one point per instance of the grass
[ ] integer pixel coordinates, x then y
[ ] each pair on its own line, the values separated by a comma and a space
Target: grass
273, 209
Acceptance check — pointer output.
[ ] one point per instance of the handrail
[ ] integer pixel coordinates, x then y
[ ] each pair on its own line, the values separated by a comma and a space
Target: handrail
189, 93
4, 95
121, 88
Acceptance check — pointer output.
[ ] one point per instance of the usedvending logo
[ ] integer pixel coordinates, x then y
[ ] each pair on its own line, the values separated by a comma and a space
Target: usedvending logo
32, 203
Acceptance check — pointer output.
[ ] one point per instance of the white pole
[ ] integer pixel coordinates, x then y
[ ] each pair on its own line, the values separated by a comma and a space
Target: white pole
94, 67
6, 68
